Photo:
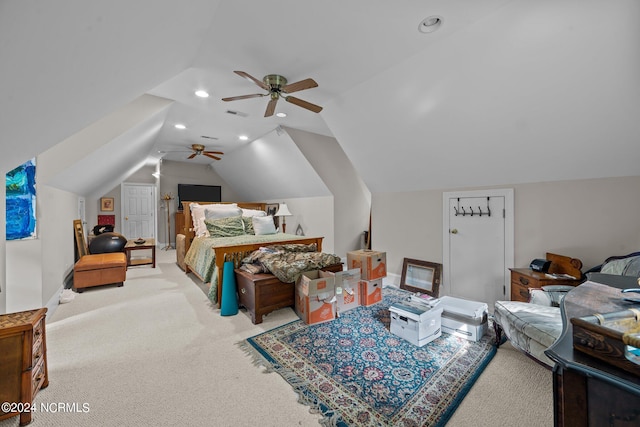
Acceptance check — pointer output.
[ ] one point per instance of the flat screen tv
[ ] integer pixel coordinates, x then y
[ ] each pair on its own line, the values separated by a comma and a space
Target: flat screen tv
198, 193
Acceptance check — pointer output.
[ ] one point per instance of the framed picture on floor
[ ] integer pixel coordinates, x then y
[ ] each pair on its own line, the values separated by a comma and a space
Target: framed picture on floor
421, 276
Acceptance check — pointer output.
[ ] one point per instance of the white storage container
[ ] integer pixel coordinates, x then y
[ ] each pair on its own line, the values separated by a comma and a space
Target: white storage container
464, 318
415, 323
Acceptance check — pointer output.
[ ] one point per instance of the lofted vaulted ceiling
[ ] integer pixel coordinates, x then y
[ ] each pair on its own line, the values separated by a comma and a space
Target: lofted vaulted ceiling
505, 91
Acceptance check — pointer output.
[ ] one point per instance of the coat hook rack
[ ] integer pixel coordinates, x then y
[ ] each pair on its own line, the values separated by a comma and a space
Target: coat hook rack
461, 211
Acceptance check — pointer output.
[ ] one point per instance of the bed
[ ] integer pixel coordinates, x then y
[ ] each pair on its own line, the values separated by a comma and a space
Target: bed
205, 256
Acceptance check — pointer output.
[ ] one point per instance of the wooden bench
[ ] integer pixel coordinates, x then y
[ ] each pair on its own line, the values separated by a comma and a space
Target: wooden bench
262, 293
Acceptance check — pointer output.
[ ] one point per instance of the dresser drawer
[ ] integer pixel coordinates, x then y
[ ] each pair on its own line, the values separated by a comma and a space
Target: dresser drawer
522, 280
519, 292
38, 330
37, 353
37, 377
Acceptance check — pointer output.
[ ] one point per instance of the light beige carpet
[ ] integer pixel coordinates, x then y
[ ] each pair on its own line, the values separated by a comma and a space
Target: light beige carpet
155, 353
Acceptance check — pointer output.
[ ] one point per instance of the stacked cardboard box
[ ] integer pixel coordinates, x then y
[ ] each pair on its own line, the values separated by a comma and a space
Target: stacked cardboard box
347, 285
373, 268
315, 300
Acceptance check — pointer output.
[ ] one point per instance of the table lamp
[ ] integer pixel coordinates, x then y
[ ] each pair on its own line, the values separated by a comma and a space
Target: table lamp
283, 211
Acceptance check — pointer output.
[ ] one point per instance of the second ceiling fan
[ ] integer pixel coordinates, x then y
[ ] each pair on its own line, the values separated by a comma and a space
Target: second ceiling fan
277, 87
198, 150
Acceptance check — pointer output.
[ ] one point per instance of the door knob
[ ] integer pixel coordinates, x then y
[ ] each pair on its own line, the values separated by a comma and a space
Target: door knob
126, 218
453, 231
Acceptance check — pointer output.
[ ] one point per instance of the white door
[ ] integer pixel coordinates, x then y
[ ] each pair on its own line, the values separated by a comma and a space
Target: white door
478, 244
138, 211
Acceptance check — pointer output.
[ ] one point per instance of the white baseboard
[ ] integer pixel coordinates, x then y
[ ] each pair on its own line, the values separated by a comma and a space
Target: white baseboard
54, 302
391, 280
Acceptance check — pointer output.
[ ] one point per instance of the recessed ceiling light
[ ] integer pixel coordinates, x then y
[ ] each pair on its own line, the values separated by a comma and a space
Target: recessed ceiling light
281, 114
430, 24
243, 137
180, 126
202, 93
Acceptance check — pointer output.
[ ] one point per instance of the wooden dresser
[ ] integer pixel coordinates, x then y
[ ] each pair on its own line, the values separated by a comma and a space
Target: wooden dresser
523, 279
23, 361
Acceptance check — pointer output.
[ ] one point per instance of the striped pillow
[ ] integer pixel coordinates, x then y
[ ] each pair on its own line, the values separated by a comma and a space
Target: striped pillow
225, 227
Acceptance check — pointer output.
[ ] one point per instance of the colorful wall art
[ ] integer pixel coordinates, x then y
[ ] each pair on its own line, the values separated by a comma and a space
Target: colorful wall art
21, 202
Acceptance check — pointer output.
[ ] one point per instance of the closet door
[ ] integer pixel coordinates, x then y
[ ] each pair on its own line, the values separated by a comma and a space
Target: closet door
138, 213
478, 244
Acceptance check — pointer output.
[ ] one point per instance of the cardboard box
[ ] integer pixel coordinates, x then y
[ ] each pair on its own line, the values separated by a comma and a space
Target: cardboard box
315, 298
372, 264
347, 284
415, 322
370, 291
464, 318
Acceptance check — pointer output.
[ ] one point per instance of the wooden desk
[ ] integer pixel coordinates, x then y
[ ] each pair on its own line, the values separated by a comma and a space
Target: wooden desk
149, 244
587, 391
23, 362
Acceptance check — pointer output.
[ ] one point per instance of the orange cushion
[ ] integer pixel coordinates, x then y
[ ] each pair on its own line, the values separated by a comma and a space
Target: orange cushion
98, 261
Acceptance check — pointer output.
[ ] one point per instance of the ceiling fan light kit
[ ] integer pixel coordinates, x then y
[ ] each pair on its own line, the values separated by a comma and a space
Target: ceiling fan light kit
276, 85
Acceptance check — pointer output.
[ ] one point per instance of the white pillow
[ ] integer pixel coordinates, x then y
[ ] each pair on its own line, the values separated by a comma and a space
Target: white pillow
198, 215
253, 212
219, 212
264, 225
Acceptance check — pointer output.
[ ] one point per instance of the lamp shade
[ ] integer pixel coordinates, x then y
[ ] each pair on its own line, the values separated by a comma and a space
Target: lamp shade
283, 210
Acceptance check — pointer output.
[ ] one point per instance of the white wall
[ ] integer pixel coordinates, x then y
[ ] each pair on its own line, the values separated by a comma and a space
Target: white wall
36, 268
315, 215
3, 251
351, 198
586, 219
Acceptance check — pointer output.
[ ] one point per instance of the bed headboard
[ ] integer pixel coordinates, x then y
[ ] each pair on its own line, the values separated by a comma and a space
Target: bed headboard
188, 220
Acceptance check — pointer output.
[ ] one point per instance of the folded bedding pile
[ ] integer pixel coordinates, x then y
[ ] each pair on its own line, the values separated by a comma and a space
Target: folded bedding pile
287, 261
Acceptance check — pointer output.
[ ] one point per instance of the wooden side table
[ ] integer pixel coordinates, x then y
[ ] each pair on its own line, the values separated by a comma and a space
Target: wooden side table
149, 244
524, 279
23, 361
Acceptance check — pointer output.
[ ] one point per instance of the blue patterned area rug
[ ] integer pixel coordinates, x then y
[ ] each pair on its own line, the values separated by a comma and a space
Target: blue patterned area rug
357, 373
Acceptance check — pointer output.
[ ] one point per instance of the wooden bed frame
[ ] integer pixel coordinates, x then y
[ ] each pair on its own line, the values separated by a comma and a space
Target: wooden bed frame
233, 253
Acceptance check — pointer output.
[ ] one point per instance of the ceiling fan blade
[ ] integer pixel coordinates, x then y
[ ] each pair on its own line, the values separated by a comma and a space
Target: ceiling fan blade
253, 79
212, 152
212, 156
304, 104
271, 107
235, 98
301, 85
192, 156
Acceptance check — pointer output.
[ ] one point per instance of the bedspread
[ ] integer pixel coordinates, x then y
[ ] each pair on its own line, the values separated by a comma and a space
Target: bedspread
200, 257
286, 262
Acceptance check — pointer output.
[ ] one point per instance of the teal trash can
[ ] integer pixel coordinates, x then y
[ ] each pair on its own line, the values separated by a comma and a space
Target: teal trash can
229, 300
